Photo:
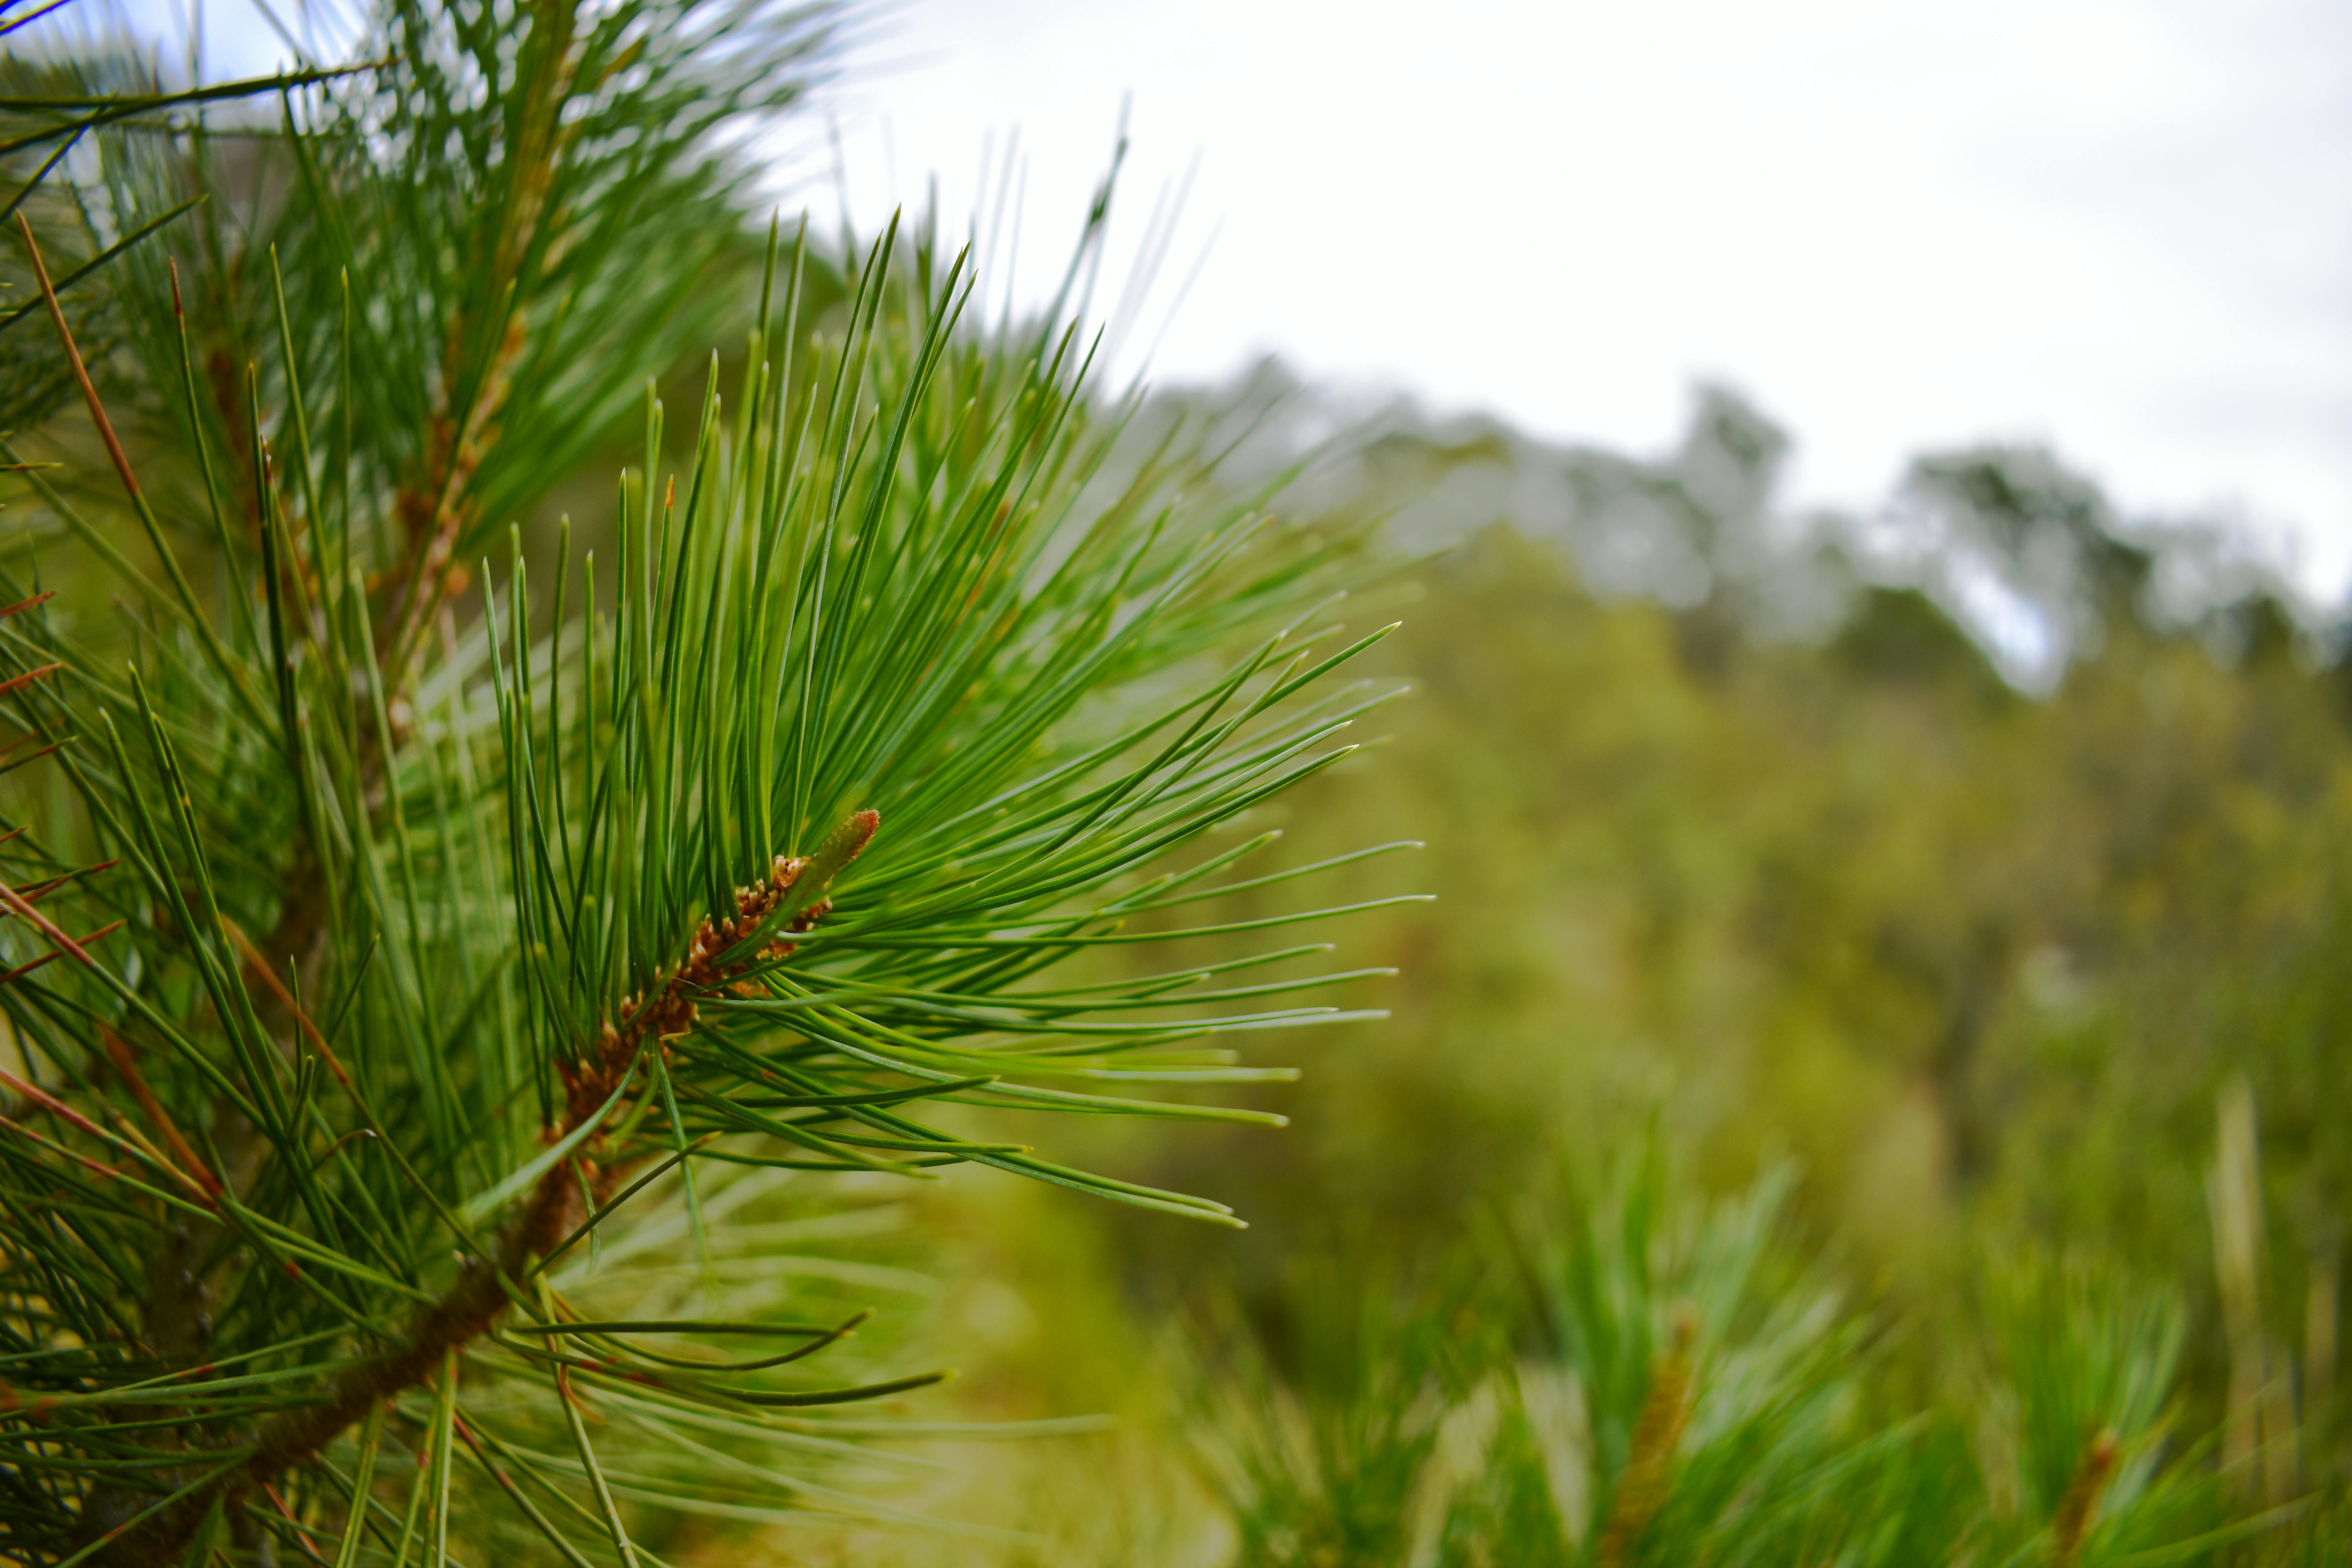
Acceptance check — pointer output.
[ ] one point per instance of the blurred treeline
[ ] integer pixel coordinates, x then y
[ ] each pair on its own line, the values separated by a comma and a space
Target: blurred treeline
1980, 960
1977, 867
1974, 956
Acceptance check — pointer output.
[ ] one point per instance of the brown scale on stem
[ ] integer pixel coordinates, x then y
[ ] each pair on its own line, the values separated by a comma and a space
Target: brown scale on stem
671, 1009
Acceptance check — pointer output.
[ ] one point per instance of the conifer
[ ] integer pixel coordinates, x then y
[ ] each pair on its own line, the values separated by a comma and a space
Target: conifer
427, 989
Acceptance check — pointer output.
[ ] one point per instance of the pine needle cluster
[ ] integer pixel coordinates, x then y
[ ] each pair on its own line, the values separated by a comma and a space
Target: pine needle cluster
1619, 1372
423, 991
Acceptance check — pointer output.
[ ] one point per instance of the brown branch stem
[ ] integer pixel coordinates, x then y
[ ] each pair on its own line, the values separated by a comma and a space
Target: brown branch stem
483, 1287
1647, 1480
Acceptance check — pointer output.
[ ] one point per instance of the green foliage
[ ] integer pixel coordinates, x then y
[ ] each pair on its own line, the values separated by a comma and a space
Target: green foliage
1632, 1294
48, 107
1646, 1378
1979, 962
426, 1010
1981, 959
448, 963
1322, 1459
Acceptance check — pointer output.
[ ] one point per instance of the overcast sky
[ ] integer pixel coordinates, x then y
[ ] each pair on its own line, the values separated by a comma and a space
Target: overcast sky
2126, 229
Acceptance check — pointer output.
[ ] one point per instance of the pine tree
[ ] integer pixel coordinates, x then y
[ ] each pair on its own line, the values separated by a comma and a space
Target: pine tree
423, 994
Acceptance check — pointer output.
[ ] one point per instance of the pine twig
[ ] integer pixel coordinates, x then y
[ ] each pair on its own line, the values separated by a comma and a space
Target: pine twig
2069, 1526
484, 1287
1648, 1477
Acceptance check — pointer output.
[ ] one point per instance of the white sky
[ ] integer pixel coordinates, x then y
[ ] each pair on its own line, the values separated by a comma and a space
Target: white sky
2122, 228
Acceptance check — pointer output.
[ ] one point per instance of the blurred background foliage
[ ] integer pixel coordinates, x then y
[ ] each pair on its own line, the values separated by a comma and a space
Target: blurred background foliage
1882, 1040
1757, 836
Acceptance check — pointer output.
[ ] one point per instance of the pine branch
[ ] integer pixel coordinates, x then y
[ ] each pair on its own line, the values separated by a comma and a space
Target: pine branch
585, 934
486, 1288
